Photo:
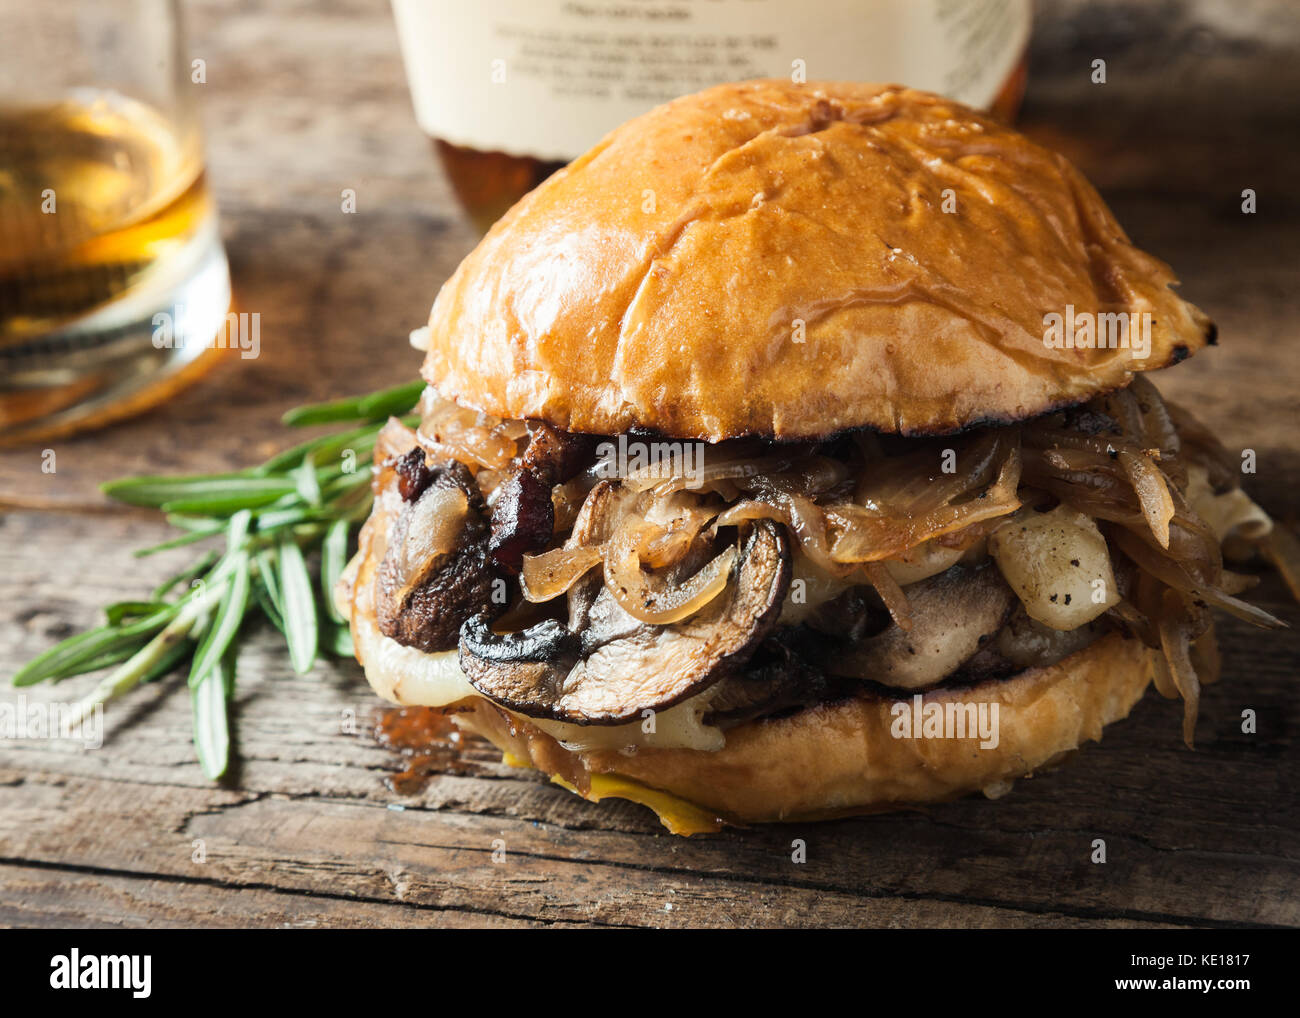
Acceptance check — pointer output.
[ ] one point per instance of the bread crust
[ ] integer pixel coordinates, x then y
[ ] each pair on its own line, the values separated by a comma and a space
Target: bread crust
791, 261
839, 759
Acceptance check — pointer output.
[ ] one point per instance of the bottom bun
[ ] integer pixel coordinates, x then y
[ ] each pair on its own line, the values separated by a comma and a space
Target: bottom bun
853, 756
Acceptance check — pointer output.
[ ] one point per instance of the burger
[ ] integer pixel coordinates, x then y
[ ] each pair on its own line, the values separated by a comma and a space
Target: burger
791, 455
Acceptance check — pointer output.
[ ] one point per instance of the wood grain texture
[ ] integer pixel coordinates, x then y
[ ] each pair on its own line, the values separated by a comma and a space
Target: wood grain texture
306, 100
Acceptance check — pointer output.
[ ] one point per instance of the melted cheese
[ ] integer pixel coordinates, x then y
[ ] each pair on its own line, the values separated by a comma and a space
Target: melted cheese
678, 815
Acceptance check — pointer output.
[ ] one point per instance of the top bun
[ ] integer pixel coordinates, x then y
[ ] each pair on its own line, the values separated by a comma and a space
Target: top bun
791, 261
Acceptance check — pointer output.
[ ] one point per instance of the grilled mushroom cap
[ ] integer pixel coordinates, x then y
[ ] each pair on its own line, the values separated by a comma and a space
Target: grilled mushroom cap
953, 613
607, 667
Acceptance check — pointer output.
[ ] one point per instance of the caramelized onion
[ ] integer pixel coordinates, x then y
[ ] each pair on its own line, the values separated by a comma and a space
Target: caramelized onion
667, 544
1282, 549
1152, 491
1172, 574
892, 594
1158, 429
739, 461
915, 483
862, 534
1205, 658
436, 525
567, 499
841, 535
802, 517
551, 573
1175, 642
666, 601
1109, 495
473, 438
1198, 444
815, 475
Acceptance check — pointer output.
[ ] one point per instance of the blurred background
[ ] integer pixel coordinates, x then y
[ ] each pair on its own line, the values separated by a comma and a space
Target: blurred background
340, 221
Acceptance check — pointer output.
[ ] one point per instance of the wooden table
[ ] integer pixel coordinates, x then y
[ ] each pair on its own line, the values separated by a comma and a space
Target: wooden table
302, 103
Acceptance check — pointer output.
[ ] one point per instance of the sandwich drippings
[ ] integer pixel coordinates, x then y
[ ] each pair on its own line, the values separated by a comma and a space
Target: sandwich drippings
775, 576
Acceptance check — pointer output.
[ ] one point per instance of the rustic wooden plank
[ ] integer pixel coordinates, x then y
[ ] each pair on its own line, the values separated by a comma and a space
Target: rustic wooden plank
445, 862
58, 898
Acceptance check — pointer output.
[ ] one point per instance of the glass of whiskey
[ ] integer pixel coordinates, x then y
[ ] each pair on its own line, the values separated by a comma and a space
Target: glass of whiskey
114, 287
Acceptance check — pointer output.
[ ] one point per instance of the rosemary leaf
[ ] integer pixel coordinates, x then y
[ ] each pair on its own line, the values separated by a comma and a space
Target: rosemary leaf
263, 598
306, 498
229, 495
379, 406
132, 672
331, 444
333, 557
338, 641
299, 607
225, 624
239, 524
156, 492
196, 569
120, 610
274, 519
376, 406
268, 574
211, 726
168, 661
78, 653
116, 655
177, 542
306, 478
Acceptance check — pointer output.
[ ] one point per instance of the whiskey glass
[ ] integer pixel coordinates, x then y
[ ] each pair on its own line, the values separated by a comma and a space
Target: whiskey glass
114, 286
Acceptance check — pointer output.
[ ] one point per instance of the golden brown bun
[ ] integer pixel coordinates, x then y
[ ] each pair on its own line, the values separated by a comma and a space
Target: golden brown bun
657, 281
841, 758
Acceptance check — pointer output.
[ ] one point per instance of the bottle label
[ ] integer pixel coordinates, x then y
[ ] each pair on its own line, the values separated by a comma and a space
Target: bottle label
548, 78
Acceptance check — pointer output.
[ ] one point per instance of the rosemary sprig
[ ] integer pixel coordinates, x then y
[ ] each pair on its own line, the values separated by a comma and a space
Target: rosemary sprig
309, 498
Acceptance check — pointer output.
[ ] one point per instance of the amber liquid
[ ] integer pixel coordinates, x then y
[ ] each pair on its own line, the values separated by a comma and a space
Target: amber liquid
93, 194
105, 218
487, 183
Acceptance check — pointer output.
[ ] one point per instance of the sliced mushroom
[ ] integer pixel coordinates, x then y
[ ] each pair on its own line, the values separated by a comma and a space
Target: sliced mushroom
953, 614
776, 680
606, 667
985, 665
1030, 644
436, 572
